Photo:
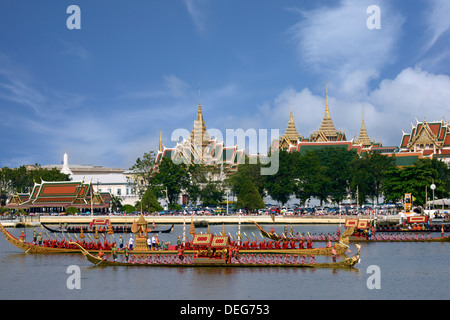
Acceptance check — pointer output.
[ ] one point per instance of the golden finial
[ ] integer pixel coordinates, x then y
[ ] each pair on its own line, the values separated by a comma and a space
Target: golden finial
327, 111
291, 118
160, 142
199, 113
363, 114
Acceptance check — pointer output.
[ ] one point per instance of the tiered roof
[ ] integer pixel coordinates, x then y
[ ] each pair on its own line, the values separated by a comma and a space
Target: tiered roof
200, 148
61, 194
327, 131
291, 136
199, 135
427, 135
427, 139
363, 138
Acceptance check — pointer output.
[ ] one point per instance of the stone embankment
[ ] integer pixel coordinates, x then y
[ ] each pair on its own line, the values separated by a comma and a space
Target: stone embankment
180, 219
210, 219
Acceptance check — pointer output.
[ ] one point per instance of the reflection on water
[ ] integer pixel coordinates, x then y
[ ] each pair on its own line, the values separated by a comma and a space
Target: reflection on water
405, 268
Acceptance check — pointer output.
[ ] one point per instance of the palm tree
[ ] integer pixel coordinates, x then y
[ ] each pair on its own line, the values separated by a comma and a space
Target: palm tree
116, 203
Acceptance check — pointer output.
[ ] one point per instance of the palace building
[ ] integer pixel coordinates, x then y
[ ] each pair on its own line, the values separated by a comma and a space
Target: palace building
291, 136
426, 140
51, 197
325, 136
201, 148
327, 132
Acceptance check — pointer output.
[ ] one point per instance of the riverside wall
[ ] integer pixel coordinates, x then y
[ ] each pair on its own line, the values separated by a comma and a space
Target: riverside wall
180, 219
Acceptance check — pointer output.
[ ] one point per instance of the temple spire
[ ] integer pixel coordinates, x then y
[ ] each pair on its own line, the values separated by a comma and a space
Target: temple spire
161, 148
363, 137
199, 112
199, 134
327, 130
291, 135
327, 110
290, 117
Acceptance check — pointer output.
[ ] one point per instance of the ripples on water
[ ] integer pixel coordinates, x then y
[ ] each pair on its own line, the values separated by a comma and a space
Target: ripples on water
408, 271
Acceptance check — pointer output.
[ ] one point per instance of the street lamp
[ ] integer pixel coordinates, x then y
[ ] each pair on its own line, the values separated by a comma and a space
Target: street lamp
433, 186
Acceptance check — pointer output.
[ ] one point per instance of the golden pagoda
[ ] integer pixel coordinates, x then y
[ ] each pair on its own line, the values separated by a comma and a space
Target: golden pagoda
291, 136
199, 135
327, 131
363, 138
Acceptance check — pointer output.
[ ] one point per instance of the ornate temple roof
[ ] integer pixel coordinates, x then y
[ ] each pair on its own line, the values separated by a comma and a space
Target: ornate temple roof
201, 148
363, 138
62, 194
427, 139
291, 136
427, 135
199, 134
327, 131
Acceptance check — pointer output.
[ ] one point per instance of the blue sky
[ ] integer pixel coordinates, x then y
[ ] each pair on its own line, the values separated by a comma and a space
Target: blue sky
103, 93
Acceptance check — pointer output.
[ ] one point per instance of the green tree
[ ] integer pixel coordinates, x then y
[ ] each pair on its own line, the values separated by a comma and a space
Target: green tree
247, 171
150, 202
21, 180
281, 186
116, 203
128, 208
72, 210
336, 164
170, 179
142, 171
249, 197
5, 184
211, 194
308, 174
367, 174
415, 179
197, 177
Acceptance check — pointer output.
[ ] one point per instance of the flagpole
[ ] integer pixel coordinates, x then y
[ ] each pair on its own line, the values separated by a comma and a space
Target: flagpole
184, 229
239, 231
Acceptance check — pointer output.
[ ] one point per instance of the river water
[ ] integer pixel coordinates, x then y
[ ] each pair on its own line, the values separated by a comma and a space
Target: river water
389, 271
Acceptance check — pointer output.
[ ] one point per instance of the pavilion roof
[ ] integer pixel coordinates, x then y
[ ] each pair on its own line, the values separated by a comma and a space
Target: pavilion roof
62, 193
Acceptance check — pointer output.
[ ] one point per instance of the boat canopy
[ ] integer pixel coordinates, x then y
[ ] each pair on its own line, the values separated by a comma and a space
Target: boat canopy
202, 239
417, 219
99, 222
357, 223
220, 242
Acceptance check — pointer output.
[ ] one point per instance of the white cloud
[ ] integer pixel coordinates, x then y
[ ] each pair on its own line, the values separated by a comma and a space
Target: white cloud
433, 53
437, 19
414, 93
196, 12
388, 109
73, 49
335, 43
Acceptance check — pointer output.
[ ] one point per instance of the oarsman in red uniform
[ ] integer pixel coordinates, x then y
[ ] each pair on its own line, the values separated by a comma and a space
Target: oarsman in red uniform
22, 236
180, 253
101, 254
292, 244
